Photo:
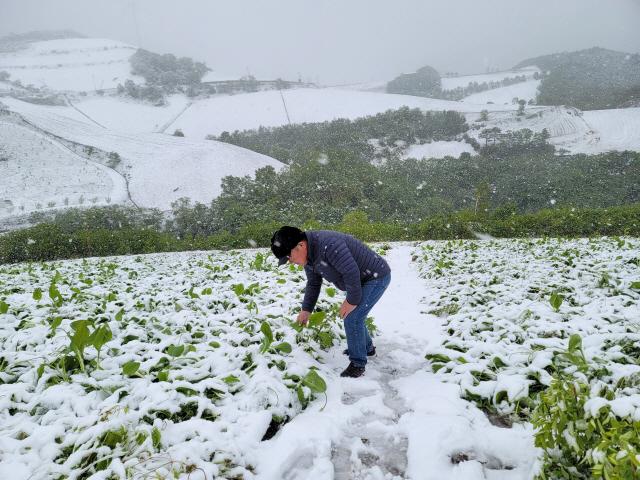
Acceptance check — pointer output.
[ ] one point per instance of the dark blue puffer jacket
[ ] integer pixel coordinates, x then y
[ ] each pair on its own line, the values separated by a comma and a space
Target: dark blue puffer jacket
342, 260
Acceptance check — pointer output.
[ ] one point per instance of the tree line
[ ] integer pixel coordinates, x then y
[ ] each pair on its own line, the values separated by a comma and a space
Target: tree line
591, 79
303, 142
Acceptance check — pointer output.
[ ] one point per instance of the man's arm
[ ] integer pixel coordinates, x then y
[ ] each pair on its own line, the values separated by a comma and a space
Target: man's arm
312, 290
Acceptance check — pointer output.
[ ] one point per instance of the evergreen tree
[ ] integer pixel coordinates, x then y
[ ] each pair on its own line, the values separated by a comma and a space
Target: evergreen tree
482, 199
423, 83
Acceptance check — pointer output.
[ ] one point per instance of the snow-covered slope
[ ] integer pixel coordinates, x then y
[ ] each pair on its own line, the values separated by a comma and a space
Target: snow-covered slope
438, 150
77, 64
504, 95
267, 109
131, 116
590, 132
41, 173
613, 129
451, 83
159, 168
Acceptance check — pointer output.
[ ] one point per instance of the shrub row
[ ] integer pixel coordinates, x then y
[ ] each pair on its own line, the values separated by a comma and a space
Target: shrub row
50, 241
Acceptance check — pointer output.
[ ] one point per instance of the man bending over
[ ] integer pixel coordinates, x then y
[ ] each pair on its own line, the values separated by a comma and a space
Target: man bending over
350, 265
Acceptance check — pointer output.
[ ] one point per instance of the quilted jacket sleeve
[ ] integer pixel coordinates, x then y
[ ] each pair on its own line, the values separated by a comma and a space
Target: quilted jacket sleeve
312, 291
339, 256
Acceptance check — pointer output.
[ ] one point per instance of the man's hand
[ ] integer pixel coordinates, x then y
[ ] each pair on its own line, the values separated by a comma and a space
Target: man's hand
303, 317
346, 308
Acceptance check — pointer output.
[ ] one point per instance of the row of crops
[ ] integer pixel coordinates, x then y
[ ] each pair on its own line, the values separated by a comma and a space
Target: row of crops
546, 331
154, 367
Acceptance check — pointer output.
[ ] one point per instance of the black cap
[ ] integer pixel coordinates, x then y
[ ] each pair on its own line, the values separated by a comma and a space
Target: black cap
284, 240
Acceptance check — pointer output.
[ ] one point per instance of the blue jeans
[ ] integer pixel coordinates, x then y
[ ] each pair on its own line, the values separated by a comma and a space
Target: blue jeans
358, 338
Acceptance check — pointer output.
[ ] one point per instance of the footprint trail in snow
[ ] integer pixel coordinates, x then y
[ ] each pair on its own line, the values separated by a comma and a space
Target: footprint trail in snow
374, 445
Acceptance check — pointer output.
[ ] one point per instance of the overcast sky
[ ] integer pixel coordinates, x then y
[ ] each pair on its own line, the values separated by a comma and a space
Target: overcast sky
342, 41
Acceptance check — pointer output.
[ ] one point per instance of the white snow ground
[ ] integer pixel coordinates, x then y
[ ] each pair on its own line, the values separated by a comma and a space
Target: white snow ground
438, 149
266, 108
77, 64
451, 83
505, 95
49, 174
140, 117
160, 168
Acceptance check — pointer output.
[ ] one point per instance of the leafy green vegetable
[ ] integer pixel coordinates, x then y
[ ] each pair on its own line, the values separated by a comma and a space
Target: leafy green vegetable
315, 382
316, 319
99, 337
230, 380
130, 368
268, 337
283, 347
79, 340
556, 301
189, 392
175, 351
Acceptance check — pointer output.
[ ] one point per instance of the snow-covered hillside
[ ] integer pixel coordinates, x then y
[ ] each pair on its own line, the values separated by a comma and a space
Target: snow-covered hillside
592, 132
504, 95
39, 173
267, 109
451, 83
77, 64
438, 150
159, 168
131, 116
613, 129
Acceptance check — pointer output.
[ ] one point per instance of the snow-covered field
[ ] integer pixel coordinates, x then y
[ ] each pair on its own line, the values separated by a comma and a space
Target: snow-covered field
266, 108
77, 64
505, 95
130, 116
187, 379
589, 132
613, 129
439, 149
159, 168
451, 83
48, 174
